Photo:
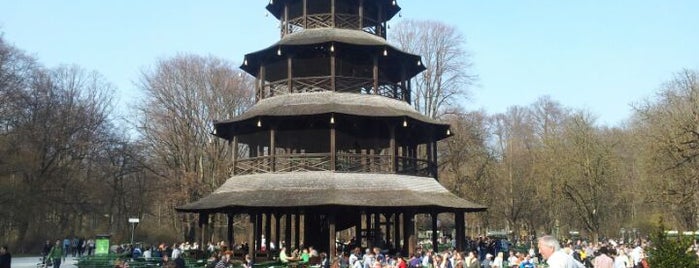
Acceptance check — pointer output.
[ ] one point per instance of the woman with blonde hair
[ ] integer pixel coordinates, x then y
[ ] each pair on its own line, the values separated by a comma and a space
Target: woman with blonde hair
497, 263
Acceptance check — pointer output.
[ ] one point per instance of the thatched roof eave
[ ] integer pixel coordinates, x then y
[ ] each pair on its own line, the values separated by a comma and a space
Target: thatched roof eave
290, 191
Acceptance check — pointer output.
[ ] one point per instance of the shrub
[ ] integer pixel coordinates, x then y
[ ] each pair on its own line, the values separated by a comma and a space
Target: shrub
670, 251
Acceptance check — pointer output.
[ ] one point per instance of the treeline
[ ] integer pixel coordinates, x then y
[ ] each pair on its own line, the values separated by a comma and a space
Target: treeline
69, 167
548, 168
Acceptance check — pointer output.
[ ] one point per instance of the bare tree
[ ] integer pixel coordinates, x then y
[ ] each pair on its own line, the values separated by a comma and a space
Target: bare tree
548, 119
515, 147
670, 126
468, 163
449, 74
184, 95
55, 120
589, 178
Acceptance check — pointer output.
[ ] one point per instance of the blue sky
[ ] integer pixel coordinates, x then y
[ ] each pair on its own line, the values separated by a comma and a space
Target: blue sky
596, 55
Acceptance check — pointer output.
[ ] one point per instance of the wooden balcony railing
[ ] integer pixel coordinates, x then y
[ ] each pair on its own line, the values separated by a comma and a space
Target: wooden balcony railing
414, 166
358, 163
325, 20
342, 84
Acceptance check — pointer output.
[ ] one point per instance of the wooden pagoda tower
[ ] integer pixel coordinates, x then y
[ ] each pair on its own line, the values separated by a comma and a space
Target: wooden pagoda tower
332, 142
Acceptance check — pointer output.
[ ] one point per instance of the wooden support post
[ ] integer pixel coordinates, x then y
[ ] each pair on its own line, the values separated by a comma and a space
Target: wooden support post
277, 230
361, 15
396, 230
234, 152
333, 153
297, 230
230, 230
268, 232
332, 15
409, 239
331, 229
285, 24
369, 238
272, 149
287, 231
261, 81
377, 228
305, 14
459, 221
258, 233
375, 76
251, 234
435, 169
203, 222
435, 242
289, 74
393, 150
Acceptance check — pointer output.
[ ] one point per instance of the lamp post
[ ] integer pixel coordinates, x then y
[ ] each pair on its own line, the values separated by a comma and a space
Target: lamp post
133, 222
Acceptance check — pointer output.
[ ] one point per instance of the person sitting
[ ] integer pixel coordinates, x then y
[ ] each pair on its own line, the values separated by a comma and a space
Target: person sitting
305, 256
283, 257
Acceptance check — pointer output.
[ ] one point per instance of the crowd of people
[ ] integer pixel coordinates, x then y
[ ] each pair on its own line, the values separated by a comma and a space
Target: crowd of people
546, 251
56, 252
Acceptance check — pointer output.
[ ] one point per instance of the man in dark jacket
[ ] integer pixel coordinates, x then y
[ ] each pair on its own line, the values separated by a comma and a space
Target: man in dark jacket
179, 262
5, 257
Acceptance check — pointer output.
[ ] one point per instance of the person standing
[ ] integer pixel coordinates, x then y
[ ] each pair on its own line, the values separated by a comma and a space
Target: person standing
499, 260
5, 257
488, 261
179, 262
90, 247
550, 250
45, 251
603, 260
56, 254
66, 247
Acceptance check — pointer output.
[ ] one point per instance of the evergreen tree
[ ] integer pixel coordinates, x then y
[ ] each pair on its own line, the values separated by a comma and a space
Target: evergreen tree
670, 251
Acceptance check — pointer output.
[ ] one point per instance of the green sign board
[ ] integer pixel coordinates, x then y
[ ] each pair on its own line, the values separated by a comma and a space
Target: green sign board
102, 245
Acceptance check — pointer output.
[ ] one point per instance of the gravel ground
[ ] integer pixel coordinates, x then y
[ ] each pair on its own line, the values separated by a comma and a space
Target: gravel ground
31, 262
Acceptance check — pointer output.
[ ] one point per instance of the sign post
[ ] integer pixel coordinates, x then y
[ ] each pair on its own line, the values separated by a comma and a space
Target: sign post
133, 222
